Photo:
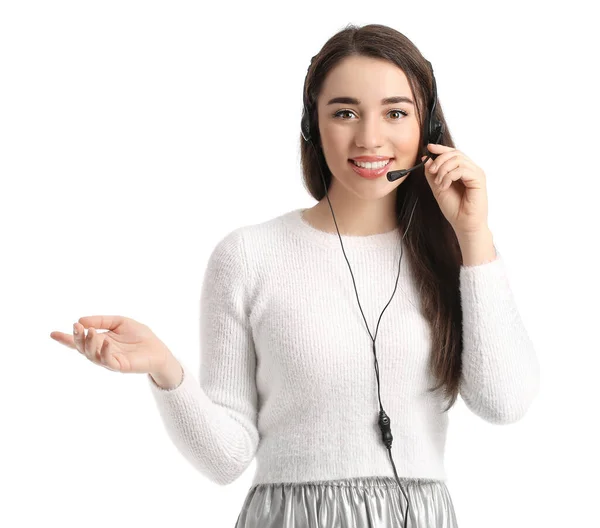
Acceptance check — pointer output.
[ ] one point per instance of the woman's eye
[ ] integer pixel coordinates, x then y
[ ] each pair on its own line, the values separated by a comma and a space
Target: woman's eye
340, 112
400, 112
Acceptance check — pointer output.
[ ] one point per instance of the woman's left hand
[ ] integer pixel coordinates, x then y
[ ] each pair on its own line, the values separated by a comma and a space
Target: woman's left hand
461, 191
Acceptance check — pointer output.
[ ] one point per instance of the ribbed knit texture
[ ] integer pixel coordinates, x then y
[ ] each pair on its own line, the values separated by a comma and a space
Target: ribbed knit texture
287, 369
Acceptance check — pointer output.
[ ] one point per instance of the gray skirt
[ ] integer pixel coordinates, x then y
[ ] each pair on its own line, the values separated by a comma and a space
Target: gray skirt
364, 502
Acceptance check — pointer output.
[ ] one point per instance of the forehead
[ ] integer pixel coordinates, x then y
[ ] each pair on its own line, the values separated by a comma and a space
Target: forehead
367, 78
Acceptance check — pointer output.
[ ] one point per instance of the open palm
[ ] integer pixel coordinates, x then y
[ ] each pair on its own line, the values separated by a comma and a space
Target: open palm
127, 346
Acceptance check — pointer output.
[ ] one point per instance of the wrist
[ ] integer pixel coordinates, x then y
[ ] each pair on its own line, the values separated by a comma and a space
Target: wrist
467, 236
170, 374
477, 247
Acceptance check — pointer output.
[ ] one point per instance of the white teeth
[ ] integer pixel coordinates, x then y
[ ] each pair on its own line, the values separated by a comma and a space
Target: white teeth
369, 165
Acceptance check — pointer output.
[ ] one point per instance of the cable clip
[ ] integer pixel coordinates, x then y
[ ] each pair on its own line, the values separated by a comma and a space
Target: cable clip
386, 432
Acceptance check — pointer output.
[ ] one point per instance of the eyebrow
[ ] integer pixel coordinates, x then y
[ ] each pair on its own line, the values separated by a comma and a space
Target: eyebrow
386, 101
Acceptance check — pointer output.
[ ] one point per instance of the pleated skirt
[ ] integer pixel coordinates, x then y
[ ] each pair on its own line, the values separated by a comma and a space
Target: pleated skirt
364, 502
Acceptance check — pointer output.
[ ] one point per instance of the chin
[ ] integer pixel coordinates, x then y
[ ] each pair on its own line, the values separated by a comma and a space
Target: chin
372, 190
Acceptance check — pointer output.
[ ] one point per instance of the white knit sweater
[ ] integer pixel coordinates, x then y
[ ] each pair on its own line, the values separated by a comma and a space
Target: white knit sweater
287, 369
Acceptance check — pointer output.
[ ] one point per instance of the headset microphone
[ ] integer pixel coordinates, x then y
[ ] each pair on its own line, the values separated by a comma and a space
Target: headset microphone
433, 132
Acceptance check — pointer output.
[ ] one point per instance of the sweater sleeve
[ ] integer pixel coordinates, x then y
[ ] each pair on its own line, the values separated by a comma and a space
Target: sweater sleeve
213, 422
500, 370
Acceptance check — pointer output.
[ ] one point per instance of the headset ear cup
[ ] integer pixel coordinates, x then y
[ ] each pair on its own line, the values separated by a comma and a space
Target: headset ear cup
438, 130
428, 132
435, 130
305, 125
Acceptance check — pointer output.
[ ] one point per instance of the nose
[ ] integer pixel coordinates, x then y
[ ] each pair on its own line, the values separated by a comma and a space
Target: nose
368, 133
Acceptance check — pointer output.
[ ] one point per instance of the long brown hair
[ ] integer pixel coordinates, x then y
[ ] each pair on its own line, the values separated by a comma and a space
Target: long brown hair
430, 245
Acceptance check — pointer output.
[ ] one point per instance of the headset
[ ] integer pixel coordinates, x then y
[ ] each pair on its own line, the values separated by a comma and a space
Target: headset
433, 131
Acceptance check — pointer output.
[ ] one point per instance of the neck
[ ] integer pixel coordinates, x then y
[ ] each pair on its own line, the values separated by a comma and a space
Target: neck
354, 217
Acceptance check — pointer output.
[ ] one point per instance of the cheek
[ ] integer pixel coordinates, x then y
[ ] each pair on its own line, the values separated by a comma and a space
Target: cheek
335, 147
408, 137
334, 138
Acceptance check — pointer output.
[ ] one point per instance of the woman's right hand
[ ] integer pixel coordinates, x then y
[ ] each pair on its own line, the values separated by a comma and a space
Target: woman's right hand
128, 346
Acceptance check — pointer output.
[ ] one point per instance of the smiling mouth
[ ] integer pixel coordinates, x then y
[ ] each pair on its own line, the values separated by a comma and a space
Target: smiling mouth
372, 173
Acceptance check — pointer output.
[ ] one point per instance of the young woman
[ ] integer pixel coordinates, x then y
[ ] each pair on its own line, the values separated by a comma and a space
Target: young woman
292, 372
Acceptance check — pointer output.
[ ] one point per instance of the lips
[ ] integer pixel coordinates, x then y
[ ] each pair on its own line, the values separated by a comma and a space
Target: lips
371, 174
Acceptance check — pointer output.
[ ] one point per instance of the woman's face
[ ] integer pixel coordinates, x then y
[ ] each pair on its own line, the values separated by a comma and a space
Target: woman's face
366, 126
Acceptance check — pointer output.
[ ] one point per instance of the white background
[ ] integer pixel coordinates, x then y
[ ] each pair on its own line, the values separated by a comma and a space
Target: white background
135, 135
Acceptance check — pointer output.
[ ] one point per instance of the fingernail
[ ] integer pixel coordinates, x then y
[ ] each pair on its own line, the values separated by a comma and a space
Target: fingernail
75, 331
